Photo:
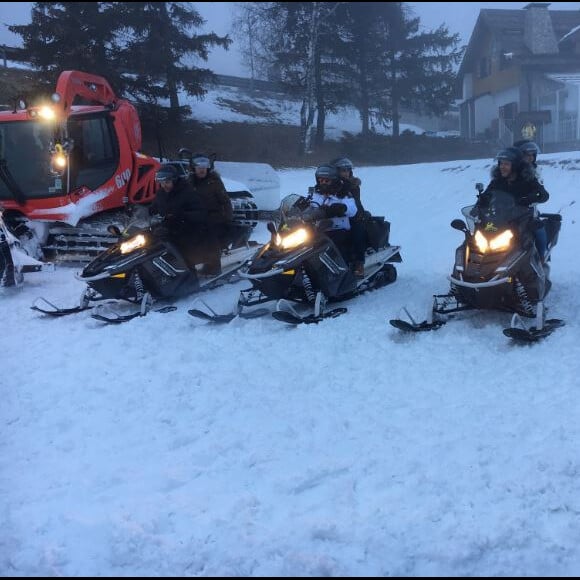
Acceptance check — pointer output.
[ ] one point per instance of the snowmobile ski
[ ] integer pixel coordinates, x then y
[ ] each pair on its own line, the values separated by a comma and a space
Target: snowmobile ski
119, 318
413, 326
531, 335
55, 311
416, 327
295, 319
210, 315
215, 318
227, 318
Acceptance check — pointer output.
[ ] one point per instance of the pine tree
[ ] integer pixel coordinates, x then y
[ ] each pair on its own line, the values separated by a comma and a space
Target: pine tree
420, 69
363, 33
158, 42
70, 36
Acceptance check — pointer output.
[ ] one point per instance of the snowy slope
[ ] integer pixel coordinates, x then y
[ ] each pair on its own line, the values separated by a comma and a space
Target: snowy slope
169, 447
228, 104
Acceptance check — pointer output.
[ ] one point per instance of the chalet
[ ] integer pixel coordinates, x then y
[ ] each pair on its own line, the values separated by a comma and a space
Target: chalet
521, 76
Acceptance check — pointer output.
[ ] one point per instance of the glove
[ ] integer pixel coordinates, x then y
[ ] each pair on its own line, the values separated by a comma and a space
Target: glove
303, 203
335, 210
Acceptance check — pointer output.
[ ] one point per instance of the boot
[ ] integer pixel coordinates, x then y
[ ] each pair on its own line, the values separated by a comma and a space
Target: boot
212, 264
211, 270
359, 270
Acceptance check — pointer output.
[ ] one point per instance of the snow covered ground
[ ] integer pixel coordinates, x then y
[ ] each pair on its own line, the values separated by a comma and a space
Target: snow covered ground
170, 447
228, 104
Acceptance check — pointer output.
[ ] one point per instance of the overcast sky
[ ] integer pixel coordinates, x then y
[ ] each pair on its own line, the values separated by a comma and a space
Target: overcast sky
459, 17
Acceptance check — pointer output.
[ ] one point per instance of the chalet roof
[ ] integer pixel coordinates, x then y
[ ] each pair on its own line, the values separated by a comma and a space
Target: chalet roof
507, 28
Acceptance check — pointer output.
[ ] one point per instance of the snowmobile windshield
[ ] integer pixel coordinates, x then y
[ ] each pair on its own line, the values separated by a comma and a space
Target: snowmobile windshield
500, 209
296, 207
290, 202
24, 151
292, 206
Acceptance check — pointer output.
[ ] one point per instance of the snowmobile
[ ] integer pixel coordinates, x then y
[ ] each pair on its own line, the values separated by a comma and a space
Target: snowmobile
144, 267
303, 270
498, 267
14, 262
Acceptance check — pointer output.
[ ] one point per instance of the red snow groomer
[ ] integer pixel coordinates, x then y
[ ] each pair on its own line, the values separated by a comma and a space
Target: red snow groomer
73, 167
64, 162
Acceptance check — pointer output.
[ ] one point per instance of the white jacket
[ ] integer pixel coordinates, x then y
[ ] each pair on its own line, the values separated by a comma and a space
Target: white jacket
338, 223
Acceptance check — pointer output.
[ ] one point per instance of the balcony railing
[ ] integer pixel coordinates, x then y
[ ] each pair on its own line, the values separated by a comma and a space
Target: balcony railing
568, 128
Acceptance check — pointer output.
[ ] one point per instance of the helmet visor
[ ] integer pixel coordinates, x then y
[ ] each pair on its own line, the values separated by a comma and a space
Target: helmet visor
203, 162
164, 178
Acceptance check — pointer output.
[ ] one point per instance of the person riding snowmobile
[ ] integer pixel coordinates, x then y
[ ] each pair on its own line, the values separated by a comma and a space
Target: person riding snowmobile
193, 215
358, 224
210, 190
515, 176
338, 208
530, 152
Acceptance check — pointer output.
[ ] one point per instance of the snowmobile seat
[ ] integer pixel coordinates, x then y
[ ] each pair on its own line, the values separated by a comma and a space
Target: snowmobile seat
378, 231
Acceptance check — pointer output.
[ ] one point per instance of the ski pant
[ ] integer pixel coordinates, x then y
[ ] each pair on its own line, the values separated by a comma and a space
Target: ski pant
343, 241
541, 236
201, 246
359, 239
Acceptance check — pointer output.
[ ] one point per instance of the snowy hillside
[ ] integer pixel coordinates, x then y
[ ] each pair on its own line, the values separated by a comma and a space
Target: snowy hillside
170, 447
228, 104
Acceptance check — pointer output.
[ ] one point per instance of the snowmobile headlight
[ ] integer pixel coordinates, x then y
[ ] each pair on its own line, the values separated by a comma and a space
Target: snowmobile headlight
481, 242
501, 242
133, 244
498, 244
293, 240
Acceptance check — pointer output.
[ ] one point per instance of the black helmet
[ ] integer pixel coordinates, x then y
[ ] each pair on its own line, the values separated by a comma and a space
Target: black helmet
326, 171
202, 160
343, 163
168, 172
512, 154
329, 173
528, 147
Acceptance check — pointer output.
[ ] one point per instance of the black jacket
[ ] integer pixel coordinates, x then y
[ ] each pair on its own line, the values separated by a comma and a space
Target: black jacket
181, 208
351, 188
193, 205
212, 195
525, 188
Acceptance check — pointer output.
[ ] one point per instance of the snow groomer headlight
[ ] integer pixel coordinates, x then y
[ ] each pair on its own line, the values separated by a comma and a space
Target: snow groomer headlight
292, 240
498, 244
133, 244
